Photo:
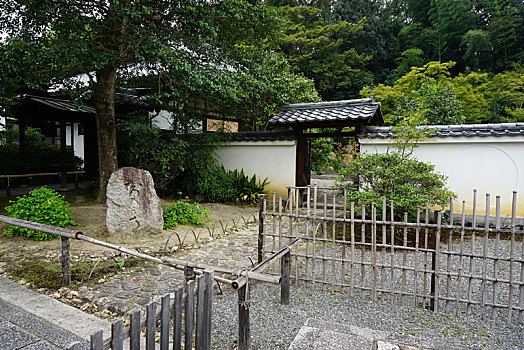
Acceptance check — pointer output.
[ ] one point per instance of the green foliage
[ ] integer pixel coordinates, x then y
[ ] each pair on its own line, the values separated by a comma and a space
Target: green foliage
409, 183
395, 175
41, 205
214, 185
184, 213
440, 104
39, 156
321, 150
146, 147
478, 97
219, 185
323, 52
247, 189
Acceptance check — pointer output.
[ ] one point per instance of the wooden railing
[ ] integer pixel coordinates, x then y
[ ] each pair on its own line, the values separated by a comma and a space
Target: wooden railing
14, 176
191, 269
196, 304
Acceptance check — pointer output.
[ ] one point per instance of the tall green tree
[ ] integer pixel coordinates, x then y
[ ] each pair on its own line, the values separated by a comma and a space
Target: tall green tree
185, 44
323, 52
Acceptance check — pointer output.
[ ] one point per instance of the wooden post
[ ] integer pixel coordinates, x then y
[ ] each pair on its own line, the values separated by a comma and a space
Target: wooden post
8, 187
63, 165
66, 262
261, 217
434, 263
285, 270
243, 318
189, 273
208, 306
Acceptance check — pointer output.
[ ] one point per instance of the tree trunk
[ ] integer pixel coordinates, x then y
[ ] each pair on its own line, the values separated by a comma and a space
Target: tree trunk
104, 97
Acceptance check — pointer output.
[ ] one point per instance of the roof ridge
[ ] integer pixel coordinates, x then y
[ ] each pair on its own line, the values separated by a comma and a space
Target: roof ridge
330, 104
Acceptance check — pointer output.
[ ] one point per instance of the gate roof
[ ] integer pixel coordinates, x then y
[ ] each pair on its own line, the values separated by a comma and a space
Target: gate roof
330, 114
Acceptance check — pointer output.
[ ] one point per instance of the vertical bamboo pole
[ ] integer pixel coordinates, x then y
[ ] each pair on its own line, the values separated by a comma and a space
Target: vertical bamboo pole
352, 260
274, 220
280, 235
290, 228
461, 259
426, 242
285, 269
308, 229
471, 259
296, 236
383, 253
415, 273
404, 259
392, 272
362, 251
484, 257
333, 245
448, 257
521, 298
374, 252
261, 218
496, 260
344, 226
437, 263
325, 242
511, 254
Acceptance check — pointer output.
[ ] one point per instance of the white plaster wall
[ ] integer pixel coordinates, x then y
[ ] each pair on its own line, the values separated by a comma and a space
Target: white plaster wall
78, 140
275, 160
492, 165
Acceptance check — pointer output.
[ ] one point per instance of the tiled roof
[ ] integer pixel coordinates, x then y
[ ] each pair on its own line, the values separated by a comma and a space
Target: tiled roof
63, 105
468, 130
349, 110
262, 136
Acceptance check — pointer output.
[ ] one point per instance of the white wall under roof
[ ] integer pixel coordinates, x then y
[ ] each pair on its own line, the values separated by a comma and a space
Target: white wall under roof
492, 164
275, 160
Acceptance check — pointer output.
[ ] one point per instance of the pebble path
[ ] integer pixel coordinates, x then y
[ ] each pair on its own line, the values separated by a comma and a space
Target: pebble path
121, 295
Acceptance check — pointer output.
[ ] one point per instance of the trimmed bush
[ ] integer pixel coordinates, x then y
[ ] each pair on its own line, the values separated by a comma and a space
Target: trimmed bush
184, 213
41, 205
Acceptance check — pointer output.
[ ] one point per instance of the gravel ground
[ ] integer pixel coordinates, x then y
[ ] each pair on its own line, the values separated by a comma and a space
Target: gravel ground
273, 326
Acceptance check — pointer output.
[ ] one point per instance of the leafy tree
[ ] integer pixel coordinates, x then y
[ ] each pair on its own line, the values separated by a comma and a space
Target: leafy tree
477, 47
261, 87
184, 44
452, 19
395, 174
323, 52
389, 96
379, 35
439, 104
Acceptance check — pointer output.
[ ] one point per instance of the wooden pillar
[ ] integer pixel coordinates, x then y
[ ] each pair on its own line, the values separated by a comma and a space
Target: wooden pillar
63, 163
244, 337
66, 262
261, 216
300, 176
285, 270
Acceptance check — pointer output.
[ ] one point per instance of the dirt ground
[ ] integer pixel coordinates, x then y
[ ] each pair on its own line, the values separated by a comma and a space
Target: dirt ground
91, 221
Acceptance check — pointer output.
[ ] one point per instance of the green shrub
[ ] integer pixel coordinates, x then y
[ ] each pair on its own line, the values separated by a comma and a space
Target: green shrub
215, 185
219, 185
41, 205
408, 182
184, 213
248, 189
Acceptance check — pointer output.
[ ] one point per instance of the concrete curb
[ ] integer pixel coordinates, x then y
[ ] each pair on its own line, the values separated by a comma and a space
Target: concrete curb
52, 311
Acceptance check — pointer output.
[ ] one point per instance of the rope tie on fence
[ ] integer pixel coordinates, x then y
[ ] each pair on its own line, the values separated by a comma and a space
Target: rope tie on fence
246, 303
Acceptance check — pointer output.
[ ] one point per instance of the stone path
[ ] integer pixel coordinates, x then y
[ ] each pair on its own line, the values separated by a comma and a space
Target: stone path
121, 295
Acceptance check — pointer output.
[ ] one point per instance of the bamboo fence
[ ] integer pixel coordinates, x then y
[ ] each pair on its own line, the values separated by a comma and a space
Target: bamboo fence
449, 262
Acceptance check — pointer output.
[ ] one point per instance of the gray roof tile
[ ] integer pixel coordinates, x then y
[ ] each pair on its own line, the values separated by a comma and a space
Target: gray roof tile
351, 110
468, 130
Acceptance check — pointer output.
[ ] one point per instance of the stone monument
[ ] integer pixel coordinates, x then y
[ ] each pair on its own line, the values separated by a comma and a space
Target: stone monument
132, 204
